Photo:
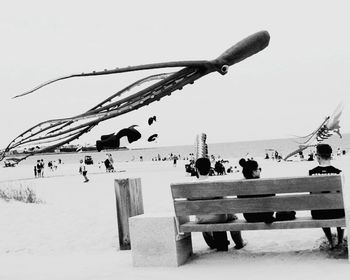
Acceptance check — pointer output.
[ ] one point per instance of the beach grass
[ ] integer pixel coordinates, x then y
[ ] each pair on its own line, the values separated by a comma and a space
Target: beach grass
22, 193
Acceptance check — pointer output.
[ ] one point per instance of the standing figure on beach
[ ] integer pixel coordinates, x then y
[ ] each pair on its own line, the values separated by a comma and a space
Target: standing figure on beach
174, 160
35, 171
83, 170
324, 155
216, 240
42, 167
111, 163
251, 170
107, 163
50, 165
38, 168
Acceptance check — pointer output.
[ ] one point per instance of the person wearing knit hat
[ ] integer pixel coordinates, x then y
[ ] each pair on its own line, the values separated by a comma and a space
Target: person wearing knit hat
324, 156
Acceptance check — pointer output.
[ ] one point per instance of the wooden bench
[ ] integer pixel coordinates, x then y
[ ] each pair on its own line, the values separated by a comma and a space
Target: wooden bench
150, 235
294, 193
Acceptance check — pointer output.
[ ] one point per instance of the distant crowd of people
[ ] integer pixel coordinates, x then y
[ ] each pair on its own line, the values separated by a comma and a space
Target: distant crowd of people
170, 157
39, 167
109, 163
275, 155
218, 167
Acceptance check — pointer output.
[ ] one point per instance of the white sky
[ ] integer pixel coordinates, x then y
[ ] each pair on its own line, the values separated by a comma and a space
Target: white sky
287, 89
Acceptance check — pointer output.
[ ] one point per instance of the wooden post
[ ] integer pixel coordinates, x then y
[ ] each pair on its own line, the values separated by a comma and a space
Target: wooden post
129, 201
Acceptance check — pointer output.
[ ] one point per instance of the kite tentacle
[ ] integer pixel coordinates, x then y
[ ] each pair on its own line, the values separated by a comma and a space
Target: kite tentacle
240, 51
57, 139
312, 134
125, 105
64, 122
120, 70
90, 113
22, 136
131, 86
300, 149
35, 140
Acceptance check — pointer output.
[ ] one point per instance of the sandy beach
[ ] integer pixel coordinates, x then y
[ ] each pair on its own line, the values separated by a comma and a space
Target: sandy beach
73, 234
256, 77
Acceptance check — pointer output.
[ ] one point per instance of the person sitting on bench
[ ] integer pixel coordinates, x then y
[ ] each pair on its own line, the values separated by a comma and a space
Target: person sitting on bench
216, 240
251, 170
324, 155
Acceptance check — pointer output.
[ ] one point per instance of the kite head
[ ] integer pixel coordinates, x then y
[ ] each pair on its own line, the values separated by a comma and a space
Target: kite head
242, 50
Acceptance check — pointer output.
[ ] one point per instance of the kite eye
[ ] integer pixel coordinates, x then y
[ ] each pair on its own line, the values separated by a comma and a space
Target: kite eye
224, 69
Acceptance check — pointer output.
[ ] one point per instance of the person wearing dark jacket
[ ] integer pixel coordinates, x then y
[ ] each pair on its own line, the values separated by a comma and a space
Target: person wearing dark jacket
324, 156
251, 170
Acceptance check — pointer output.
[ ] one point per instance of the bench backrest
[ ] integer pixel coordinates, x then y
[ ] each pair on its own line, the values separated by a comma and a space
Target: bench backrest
292, 193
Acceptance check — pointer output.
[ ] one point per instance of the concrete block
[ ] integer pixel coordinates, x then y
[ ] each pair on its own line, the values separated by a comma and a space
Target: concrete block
155, 241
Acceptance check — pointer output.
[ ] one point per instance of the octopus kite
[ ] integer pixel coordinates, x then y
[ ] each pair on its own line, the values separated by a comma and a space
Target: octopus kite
51, 134
327, 128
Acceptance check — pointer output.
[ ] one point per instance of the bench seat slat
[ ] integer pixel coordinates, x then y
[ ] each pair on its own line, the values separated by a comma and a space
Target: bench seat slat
259, 204
205, 189
237, 225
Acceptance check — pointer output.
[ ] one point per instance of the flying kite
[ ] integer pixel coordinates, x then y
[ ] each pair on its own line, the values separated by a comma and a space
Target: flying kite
112, 141
54, 133
152, 138
151, 120
327, 128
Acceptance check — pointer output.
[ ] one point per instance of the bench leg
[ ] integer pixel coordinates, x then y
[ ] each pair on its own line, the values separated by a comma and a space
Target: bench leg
156, 242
